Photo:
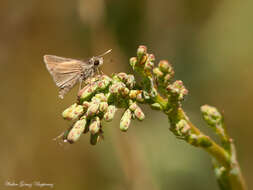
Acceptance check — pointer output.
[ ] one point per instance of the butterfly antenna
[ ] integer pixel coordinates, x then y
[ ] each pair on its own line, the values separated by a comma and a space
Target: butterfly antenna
108, 51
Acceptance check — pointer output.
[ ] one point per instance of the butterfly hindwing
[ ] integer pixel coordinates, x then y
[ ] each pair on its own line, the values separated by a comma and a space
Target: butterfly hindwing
65, 72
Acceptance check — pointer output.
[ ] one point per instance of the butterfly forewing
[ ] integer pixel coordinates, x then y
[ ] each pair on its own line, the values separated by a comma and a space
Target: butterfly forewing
65, 71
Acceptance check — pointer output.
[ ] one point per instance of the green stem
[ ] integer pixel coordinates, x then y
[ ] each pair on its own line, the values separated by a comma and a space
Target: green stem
235, 175
224, 158
215, 150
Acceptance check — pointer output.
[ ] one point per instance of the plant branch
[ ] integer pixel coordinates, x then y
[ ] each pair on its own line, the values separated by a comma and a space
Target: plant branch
103, 95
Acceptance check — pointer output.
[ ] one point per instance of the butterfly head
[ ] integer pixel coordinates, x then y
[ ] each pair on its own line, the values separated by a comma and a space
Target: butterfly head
97, 61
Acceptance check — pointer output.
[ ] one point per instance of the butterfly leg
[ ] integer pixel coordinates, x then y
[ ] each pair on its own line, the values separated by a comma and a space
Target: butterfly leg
102, 72
58, 137
98, 71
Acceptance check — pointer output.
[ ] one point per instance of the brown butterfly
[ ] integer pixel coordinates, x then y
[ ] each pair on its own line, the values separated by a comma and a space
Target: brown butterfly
66, 72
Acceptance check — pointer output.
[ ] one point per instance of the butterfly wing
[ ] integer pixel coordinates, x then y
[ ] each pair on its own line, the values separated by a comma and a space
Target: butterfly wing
65, 72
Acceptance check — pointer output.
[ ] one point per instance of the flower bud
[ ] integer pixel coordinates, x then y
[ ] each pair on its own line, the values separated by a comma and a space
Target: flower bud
158, 73
211, 115
142, 59
95, 100
125, 120
139, 97
87, 91
122, 76
192, 139
164, 66
101, 96
139, 113
77, 130
149, 65
167, 78
91, 80
199, 140
86, 105
183, 128
103, 106
103, 82
73, 112
178, 89
93, 109
204, 141
116, 87
124, 91
133, 62
133, 106
151, 57
220, 174
95, 125
156, 106
130, 82
109, 115
141, 51
133, 94
94, 139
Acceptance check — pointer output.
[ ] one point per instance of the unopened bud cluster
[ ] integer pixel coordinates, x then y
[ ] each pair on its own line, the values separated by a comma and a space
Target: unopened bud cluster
164, 73
98, 101
102, 95
214, 119
144, 62
183, 131
134, 111
177, 89
88, 115
211, 115
158, 78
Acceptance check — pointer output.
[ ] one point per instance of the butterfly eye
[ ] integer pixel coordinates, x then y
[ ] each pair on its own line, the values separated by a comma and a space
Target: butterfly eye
96, 62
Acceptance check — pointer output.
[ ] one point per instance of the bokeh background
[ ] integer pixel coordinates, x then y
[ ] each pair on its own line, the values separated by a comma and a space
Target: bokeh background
209, 43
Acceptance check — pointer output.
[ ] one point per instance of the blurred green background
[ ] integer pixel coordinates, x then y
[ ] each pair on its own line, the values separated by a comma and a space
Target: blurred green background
209, 43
